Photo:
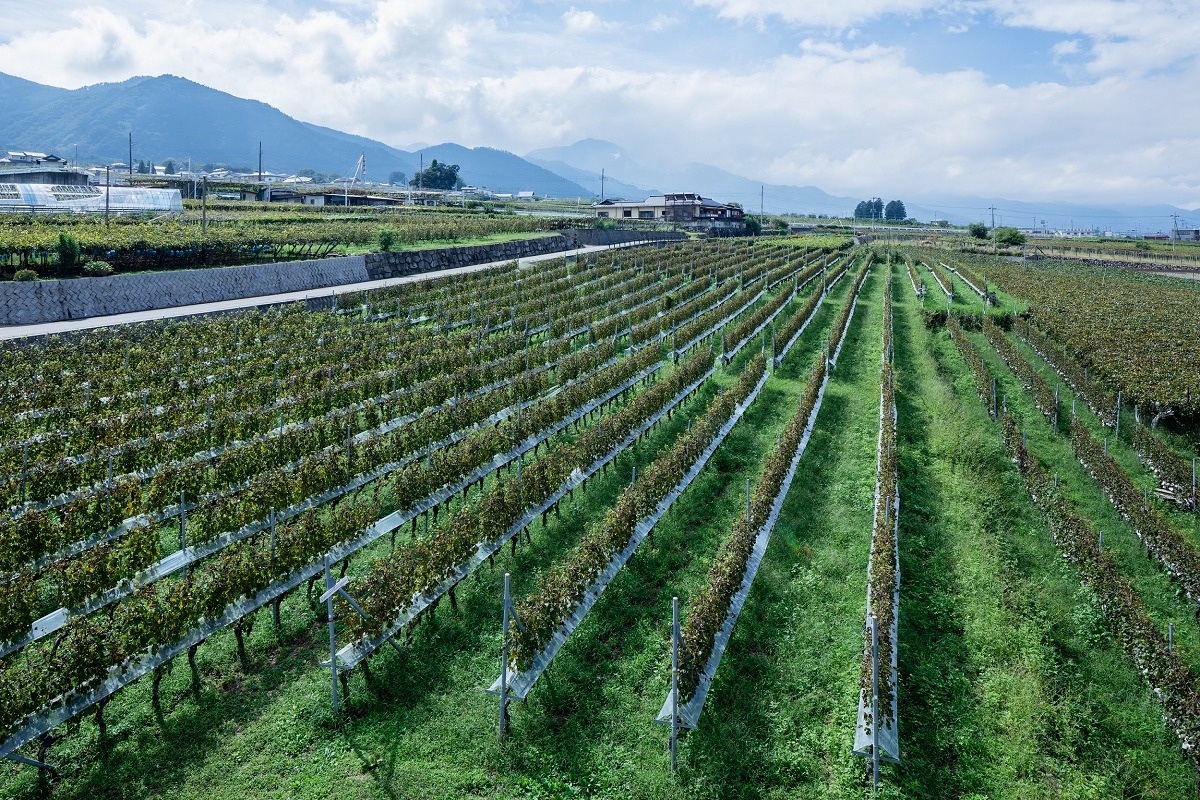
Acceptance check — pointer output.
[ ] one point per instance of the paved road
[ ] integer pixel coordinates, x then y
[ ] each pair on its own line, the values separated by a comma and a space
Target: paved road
19, 331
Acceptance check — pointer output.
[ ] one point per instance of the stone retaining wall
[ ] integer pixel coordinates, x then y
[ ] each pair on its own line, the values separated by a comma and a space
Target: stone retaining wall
414, 262
38, 302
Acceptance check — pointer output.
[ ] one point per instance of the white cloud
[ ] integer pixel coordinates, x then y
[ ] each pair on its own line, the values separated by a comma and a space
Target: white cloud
1068, 47
661, 22
577, 21
836, 14
851, 117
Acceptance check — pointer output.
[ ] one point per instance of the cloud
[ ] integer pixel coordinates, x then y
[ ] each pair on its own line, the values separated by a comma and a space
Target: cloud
661, 22
850, 116
835, 14
577, 21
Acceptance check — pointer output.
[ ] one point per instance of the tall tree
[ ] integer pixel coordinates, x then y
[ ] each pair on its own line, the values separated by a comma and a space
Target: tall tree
437, 176
396, 177
895, 211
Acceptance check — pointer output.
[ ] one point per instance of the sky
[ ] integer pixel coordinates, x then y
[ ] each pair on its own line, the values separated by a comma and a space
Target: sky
1077, 100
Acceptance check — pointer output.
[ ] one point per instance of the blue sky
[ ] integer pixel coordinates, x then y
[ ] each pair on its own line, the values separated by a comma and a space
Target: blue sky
1080, 100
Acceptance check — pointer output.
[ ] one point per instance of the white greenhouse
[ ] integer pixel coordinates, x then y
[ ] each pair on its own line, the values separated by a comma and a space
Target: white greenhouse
49, 198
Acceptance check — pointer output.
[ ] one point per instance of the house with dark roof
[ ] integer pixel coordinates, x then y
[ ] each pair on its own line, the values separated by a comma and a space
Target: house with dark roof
688, 209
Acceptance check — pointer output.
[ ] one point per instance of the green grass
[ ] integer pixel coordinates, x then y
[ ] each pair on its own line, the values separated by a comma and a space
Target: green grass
436, 244
1010, 685
1163, 601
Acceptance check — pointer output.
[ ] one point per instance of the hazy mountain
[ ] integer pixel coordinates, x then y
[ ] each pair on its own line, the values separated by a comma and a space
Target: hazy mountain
612, 187
581, 162
501, 171
176, 118
20, 94
593, 155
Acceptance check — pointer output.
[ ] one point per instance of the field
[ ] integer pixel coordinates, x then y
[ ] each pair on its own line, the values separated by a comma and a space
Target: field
285, 553
229, 232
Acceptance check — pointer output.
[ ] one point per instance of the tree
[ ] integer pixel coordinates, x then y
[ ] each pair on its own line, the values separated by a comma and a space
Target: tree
437, 176
68, 250
142, 168
1006, 234
895, 211
169, 166
869, 209
396, 177
978, 230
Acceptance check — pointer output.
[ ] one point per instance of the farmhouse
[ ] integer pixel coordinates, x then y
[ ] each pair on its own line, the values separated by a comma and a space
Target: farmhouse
683, 208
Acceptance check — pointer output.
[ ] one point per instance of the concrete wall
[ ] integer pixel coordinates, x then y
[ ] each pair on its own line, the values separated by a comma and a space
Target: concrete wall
36, 302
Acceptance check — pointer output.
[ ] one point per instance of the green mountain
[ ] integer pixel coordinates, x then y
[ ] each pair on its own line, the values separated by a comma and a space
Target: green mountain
175, 118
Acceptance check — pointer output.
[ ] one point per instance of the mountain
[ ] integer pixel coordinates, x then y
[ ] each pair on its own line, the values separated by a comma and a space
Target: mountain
612, 188
582, 161
502, 171
20, 94
624, 177
592, 155
173, 117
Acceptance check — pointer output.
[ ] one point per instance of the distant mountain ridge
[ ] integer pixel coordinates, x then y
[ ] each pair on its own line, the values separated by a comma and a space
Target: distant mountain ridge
172, 117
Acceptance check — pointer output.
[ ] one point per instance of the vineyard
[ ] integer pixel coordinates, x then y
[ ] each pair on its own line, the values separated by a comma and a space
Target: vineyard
461, 537
239, 233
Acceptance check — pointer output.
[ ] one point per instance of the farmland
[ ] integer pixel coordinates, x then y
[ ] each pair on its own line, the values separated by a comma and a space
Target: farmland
912, 504
228, 233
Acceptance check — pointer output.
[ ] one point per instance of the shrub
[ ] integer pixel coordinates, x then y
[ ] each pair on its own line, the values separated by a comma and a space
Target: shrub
386, 238
98, 269
1009, 236
68, 250
25, 275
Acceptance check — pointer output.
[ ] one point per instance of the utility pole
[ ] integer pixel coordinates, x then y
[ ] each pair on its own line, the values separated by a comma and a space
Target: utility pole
602, 184
993, 210
421, 173
107, 192
1174, 232
761, 194
131, 154
260, 161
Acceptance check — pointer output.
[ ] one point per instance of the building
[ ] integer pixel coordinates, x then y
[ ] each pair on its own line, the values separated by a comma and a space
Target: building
48, 198
1186, 234
683, 208
26, 159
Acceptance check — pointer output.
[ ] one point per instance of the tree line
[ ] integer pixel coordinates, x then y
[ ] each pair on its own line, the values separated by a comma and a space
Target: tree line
875, 209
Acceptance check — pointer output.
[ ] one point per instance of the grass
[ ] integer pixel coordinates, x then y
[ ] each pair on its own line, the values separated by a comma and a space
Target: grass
1010, 684
1163, 601
436, 244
